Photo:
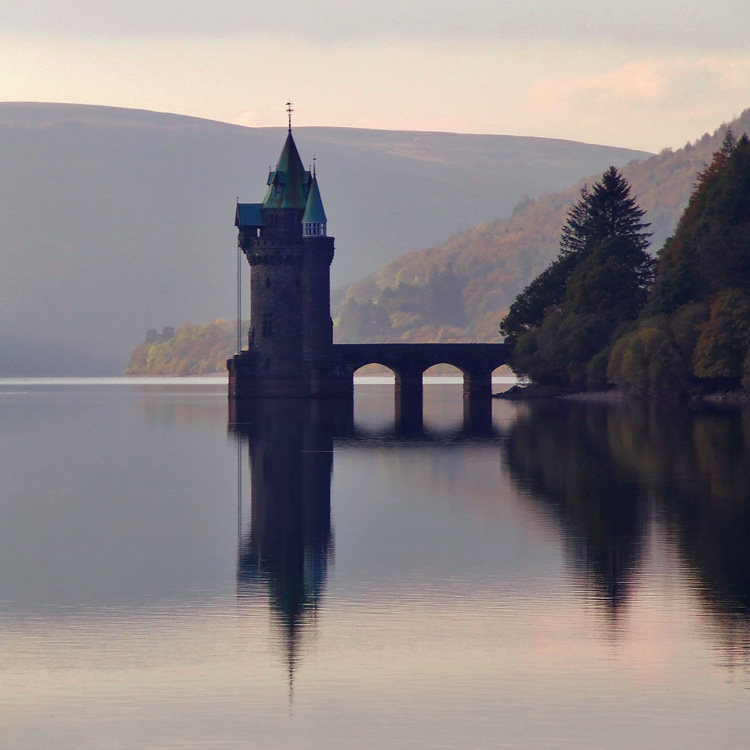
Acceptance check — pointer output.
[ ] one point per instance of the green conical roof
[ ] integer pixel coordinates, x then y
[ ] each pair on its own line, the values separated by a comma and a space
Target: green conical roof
289, 184
314, 211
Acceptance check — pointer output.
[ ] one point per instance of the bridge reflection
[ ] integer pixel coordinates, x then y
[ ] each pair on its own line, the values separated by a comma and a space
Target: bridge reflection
288, 548
611, 477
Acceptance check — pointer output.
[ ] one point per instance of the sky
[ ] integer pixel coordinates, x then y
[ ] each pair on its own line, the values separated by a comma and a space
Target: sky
642, 74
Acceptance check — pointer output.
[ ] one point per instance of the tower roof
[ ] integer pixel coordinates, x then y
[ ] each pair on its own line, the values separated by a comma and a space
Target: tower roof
314, 211
289, 183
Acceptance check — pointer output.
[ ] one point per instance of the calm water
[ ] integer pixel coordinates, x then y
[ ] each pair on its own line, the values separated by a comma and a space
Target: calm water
568, 576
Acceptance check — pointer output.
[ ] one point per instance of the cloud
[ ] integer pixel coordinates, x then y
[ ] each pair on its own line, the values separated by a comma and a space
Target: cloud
719, 25
677, 90
645, 83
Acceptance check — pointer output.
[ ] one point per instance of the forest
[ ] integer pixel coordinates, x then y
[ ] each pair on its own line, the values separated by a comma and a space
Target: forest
605, 313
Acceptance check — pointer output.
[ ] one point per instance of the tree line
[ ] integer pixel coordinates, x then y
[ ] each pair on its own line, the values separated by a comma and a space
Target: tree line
605, 313
187, 350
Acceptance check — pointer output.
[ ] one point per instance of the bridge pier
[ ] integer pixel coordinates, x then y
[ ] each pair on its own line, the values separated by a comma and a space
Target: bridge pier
409, 405
477, 385
477, 416
478, 401
409, 385
409, 416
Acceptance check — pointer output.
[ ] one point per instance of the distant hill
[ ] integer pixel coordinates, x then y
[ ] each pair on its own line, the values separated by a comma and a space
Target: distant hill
459, 290
188, 350
114, 221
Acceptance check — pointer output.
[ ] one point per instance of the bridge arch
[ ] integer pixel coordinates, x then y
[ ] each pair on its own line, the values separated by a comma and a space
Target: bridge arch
375, 403
409, 361
373, 370
443, 370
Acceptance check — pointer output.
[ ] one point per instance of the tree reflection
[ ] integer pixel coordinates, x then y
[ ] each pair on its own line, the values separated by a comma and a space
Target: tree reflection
696, 462
559, 454
603, 469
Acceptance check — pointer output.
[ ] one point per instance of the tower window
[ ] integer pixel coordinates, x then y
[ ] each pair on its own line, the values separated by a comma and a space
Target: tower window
267, 325
313, 229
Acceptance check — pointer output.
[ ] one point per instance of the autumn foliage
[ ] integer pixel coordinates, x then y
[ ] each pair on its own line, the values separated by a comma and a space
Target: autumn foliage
187, 350
694, 334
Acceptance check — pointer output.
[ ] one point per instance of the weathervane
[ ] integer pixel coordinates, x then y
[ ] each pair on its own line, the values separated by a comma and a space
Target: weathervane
289, 111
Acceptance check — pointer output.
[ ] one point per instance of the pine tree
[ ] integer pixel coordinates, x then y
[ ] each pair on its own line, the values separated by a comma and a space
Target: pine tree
606, 211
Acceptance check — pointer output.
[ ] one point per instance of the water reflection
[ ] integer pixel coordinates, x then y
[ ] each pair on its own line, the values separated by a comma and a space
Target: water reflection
610, 473
475, 583
612, 478
561, 457
289, 545
288, 548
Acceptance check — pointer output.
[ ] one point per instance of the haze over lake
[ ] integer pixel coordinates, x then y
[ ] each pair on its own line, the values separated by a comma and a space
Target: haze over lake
576, 576
118, 220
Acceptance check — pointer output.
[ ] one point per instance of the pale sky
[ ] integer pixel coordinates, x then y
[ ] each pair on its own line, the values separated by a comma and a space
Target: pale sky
642, 74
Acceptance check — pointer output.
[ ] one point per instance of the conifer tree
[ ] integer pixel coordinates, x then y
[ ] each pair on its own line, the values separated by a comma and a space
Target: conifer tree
709, 248
605, 212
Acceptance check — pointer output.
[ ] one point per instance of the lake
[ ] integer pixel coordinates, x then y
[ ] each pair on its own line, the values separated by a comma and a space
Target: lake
564, 575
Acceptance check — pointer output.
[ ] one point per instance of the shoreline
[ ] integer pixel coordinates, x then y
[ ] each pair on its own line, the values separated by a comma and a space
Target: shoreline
545, 393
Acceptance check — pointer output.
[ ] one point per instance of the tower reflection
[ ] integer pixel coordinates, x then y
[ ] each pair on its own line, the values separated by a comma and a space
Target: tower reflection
289, 546
287, 551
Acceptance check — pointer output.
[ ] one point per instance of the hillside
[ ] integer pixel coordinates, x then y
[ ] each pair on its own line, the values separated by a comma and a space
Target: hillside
115, 221
486, 267
188, 350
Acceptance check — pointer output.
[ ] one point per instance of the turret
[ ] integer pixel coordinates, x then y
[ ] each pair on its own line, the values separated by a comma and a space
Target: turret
314, 219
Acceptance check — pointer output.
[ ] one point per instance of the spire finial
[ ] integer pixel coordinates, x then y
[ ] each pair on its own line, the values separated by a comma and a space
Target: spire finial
314, 160
289, 111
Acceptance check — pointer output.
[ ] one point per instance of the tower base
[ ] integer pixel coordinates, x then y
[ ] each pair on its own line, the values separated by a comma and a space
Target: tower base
325, 380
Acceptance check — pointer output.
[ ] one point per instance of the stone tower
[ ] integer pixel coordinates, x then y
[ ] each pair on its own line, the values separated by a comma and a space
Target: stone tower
290, 351
285, 242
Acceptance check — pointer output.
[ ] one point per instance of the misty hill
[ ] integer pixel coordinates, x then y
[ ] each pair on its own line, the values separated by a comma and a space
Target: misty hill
459, 290
115, 221
187, 350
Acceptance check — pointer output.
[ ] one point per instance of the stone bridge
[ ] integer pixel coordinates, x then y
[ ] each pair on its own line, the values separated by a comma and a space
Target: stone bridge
409, 361
290, 350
